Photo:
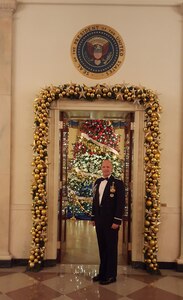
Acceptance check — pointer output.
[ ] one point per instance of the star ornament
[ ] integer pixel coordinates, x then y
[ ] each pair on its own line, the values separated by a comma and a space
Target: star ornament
136, 101
119, 96
82, 94
98, 88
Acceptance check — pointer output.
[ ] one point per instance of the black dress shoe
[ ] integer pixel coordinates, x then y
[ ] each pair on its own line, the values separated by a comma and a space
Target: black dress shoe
96, 278
108, 281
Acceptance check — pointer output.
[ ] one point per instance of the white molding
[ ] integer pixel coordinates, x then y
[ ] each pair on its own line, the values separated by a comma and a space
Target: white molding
181, 8
6, 257
106, 2
53, 183
8, 5
138, 188
67, 105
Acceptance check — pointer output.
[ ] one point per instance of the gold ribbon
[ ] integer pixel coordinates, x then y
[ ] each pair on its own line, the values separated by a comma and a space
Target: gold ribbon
86, 136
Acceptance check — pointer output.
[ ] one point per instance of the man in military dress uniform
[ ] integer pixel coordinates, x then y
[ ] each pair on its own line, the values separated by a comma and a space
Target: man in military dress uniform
107, 211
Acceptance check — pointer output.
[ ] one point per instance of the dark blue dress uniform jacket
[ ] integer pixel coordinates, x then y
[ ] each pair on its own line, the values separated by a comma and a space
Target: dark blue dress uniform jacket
112, 205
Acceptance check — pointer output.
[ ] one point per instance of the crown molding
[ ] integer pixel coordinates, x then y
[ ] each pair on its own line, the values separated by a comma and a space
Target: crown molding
106, 2
7, 7
181, 8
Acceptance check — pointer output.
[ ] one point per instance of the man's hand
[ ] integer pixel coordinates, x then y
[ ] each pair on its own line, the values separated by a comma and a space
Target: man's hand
114, 226
93, 223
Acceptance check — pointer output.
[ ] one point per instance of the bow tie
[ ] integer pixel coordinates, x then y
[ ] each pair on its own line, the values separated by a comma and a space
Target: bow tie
105, 179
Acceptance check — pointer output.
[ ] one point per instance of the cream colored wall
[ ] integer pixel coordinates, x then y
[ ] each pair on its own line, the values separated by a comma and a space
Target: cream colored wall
41, 56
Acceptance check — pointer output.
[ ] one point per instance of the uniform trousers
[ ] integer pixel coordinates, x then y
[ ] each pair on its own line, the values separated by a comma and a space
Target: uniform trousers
108, 249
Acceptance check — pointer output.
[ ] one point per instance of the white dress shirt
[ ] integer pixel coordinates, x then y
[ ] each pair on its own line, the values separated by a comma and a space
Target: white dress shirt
101, 190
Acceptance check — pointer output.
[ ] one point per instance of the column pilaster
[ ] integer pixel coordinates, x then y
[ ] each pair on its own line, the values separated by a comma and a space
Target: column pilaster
180, 259
7, 8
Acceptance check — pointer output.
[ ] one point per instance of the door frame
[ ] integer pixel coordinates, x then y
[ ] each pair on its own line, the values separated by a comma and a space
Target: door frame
128, 164
138, 184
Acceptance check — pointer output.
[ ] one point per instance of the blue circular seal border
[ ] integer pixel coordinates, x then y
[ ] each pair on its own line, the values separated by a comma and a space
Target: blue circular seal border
98, 51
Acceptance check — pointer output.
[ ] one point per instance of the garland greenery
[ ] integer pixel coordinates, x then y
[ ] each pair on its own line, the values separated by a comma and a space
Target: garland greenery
119, 92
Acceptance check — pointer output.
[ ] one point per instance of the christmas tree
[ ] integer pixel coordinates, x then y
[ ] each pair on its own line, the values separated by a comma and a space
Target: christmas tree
97, 141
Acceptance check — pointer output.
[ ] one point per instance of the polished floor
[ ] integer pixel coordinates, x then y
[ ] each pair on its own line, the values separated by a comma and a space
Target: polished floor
81, 244
72, 279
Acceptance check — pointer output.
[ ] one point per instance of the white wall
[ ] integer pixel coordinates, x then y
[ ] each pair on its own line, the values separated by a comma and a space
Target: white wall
41, 53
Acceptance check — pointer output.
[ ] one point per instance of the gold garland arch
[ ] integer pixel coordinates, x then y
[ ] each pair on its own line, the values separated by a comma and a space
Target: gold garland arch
119, 92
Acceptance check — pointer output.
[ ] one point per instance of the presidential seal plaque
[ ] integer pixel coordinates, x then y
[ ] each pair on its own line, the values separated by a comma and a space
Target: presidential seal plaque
97, 51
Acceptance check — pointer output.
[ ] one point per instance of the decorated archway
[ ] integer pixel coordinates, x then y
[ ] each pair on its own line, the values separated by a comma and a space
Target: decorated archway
119, 92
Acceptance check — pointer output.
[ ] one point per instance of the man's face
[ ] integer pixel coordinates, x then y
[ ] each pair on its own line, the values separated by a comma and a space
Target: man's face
106, 168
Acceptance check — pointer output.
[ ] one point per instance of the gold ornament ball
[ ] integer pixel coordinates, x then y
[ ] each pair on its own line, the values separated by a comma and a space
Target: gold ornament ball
148, 203
31, 257
31, 264
36, 176
147, 223
150, 251
149, 112
152, 242
149, 138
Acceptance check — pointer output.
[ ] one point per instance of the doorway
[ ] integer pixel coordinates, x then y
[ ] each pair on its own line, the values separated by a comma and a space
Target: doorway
134, 240
76, 236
